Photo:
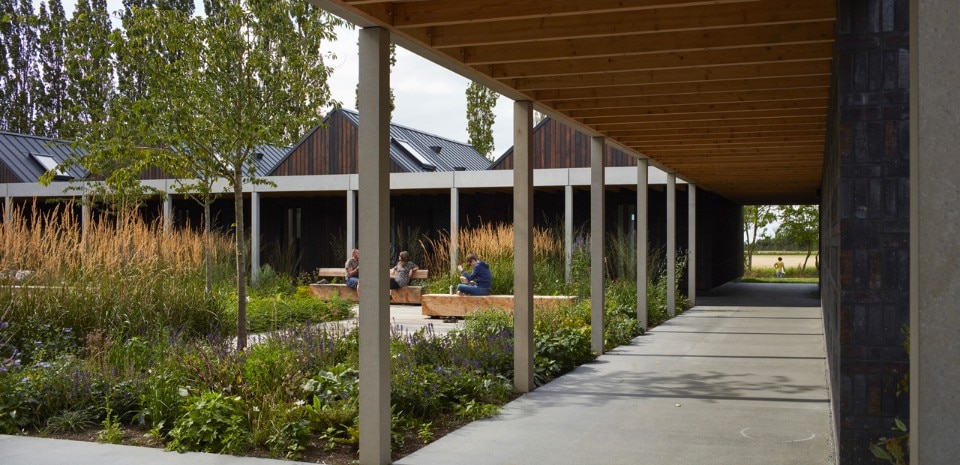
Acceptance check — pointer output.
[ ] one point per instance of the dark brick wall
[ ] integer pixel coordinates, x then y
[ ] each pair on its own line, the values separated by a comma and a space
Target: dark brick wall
865, 223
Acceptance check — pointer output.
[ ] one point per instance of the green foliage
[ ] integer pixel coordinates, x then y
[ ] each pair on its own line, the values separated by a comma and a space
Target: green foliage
212, 422
471, 410
71, 421
480, 117
112, 432
280, 311
563, 349
893, 449
800, 224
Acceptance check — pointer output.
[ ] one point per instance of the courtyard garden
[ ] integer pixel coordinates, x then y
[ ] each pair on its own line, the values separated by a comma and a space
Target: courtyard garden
113, 336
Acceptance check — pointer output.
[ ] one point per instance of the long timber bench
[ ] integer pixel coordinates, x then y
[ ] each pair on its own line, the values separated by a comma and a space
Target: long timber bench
446, 305
409, 295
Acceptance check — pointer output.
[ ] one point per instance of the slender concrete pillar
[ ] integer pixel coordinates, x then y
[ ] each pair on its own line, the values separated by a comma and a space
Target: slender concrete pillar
692, 244
374, 186
454, 228
523, 246
671, 244
934, 223
351, 239
567, 232
7, 209
167, 213
84, 218
254, 236
642, 213
597, 219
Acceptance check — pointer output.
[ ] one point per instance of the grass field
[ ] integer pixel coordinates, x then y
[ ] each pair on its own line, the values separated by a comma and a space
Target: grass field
791, 260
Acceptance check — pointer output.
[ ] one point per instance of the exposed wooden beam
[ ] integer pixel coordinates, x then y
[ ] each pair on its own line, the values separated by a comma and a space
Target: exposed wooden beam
752, 54
738, 124
445, 12
701, 142
752, 130
619, 23
646, 43
705, 116
674, 76
701, 87
777, 95
746, 109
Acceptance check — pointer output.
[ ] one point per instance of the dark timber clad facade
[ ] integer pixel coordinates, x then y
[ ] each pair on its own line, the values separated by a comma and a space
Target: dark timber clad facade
865, 224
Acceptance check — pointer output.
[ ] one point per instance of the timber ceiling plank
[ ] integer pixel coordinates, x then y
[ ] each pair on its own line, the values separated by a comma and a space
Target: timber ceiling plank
621, 23
749, 54
729, 94
684, 88
709, 73
646, 43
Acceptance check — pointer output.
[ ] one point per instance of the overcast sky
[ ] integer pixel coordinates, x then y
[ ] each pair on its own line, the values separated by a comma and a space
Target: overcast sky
428, 97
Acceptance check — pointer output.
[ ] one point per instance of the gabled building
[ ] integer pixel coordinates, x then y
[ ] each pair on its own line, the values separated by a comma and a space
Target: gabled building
24, 158
332, 149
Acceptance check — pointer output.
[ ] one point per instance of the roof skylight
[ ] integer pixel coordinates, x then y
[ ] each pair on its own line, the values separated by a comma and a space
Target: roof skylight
415, 153
50, 164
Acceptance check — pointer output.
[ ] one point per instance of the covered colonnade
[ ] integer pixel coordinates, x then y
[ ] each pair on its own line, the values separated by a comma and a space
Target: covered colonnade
758, 101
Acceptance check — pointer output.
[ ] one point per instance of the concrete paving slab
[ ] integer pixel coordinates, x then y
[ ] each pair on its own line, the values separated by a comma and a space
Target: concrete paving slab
738, 385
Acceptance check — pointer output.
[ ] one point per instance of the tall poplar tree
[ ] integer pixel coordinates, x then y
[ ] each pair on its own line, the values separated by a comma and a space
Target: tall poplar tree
20, 40
88, 65
52, 102
480, 117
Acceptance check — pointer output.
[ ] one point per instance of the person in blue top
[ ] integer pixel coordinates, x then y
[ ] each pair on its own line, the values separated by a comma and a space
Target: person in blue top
479, 281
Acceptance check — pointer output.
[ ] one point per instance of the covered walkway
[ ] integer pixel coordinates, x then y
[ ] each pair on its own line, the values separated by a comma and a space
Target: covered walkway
740, 379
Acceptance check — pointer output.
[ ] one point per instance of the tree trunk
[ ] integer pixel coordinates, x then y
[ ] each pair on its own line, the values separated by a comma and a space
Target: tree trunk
207, 245
240, 241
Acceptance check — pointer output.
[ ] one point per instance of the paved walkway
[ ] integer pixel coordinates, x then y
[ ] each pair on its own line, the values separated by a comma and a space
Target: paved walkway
740, 379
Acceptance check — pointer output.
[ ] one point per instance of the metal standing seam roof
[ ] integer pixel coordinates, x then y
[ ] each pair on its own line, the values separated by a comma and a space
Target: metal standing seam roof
450, 155
16, 153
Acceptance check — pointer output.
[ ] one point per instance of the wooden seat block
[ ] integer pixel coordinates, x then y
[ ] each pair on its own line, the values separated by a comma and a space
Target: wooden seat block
409, 295
445, 305
328, 291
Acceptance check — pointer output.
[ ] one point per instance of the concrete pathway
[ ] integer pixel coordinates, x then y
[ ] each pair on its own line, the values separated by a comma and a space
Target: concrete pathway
740, 379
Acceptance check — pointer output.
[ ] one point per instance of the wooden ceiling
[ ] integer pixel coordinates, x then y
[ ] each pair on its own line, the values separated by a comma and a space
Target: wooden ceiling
731, 95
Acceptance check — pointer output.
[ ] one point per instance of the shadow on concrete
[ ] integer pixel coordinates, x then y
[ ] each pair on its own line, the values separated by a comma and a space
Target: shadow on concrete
740, 294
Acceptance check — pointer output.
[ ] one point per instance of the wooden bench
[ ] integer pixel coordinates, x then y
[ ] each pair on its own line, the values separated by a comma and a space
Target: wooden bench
409, 295
446, 305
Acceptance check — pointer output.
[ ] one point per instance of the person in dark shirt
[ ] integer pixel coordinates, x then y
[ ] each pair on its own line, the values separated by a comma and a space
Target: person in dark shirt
479, 281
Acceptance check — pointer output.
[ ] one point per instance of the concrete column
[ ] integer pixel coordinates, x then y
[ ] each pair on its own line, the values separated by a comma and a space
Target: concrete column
351, 239
567, 232
692, 244
671, 244
454, 228
597, 219
254, 236
934, 224
374, 190
523, 246
643, 182
7, 209
84, 218
167, 213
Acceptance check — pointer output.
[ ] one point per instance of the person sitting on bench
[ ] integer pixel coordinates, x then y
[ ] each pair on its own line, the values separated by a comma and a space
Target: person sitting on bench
352, 270
402, 272
479, 281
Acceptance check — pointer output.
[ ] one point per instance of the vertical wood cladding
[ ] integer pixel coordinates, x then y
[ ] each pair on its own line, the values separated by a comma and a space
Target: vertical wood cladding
556, 145
7, 175
329, 149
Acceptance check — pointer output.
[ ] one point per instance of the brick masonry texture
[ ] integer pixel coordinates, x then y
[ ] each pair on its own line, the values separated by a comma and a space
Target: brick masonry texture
865, 216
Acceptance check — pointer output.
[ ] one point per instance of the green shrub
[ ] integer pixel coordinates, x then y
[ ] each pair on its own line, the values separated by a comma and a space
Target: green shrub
564, 348
212, 422
280, 311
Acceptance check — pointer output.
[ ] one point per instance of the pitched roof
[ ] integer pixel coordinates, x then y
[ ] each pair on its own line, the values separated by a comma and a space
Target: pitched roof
418, 151
268, 157
26, 155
